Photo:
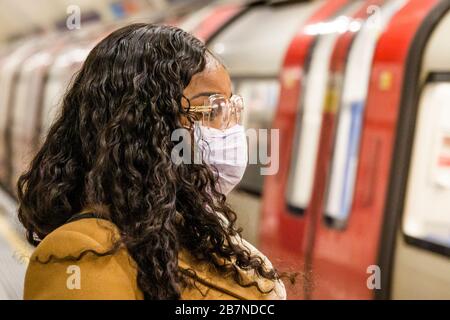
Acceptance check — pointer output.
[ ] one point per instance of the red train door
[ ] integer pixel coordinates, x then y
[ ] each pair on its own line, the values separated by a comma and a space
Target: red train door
415, 248
280, 231
332, 107
344, 251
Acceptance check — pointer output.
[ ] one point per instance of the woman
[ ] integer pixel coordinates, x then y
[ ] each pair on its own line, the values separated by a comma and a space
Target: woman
112, 211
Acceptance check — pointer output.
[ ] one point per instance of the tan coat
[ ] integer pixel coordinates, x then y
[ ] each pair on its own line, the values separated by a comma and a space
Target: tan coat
114, 276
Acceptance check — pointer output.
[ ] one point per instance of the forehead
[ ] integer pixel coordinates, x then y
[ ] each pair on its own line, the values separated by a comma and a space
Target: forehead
214, 79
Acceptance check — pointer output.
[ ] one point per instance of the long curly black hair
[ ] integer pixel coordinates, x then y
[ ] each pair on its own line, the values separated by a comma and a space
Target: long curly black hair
111, 146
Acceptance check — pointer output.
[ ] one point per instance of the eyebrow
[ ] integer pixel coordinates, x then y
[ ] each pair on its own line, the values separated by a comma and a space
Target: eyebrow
206, 94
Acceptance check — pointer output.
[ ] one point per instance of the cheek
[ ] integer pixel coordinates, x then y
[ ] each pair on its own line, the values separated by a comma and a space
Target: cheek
184, 121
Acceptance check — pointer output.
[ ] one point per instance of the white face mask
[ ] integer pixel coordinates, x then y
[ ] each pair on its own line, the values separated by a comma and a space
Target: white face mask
226, 150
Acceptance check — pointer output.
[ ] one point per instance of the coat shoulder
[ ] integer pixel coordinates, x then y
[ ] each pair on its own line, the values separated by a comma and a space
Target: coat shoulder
73, 262
77, 238
209, 283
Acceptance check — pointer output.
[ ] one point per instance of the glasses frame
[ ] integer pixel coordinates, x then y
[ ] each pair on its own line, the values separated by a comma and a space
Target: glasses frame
207, 107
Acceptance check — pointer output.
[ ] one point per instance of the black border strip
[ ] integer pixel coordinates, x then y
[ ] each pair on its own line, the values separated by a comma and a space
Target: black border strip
403, 146
438, 77
427, 245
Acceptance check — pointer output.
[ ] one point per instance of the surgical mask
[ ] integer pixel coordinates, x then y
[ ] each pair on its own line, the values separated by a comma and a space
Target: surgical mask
226, 150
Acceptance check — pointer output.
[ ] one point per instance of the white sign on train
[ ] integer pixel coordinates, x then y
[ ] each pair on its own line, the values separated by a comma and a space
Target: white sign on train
442, 161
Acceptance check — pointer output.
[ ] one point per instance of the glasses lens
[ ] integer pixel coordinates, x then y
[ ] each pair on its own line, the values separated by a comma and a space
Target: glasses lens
236, 111
224, 112
219, 112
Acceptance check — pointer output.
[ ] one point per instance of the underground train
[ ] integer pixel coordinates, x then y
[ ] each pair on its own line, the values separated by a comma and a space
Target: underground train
358, 93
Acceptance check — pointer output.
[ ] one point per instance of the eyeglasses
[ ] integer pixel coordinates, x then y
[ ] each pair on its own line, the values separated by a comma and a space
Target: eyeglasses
219, 111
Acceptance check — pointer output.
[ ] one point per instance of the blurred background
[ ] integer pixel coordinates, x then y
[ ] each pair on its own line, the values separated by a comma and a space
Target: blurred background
353, 99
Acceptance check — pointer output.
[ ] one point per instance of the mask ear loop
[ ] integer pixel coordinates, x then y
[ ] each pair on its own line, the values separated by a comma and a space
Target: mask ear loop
186, 111
188, 101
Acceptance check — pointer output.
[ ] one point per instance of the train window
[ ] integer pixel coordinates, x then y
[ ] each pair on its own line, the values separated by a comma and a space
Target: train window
260, 101
253, 48
339, 195
255, 44
426, 217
